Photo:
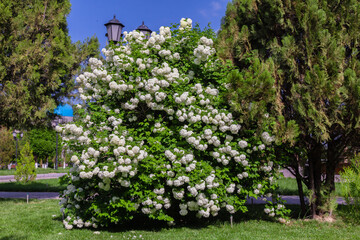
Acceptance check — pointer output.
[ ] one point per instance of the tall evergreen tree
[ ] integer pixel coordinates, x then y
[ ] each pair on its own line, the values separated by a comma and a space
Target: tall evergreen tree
299, 61
37, 60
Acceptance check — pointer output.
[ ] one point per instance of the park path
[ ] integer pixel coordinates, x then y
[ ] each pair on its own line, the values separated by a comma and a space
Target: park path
291, 200
10, 178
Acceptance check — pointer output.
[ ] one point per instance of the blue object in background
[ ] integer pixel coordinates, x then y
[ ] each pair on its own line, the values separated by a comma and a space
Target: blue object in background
64, 110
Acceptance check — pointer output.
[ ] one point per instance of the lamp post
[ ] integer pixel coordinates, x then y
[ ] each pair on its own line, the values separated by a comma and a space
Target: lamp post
54, 124
15, 135
114, 28
56, 158
145, 30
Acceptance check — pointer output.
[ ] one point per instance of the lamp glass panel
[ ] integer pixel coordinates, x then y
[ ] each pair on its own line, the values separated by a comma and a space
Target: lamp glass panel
115, 32
109, 33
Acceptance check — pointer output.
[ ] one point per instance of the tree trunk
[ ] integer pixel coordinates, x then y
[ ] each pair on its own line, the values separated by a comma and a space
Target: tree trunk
314, 157
331, 165
311, 187
300, 189
333, 153
36, 161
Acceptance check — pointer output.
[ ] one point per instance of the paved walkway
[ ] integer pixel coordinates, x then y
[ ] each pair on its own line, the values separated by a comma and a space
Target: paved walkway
292, 200
10, 178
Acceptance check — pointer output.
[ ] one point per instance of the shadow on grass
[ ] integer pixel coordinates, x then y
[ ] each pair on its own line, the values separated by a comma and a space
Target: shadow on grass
35, 186
349, 213
141, 223
13, 237
13, 200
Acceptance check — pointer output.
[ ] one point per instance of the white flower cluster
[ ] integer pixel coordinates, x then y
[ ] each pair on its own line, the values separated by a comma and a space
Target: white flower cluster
158, 128
267, 139
95, 63
185, 23
267, 168
270, 212
202, 53
78, 222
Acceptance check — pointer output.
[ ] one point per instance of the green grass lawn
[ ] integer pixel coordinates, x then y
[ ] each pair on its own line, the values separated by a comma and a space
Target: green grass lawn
288, 186
4, 172
41, 185
19, 220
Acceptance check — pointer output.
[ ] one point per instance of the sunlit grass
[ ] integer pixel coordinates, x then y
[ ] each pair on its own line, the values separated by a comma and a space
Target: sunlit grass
41, 185
4, 172
288, 186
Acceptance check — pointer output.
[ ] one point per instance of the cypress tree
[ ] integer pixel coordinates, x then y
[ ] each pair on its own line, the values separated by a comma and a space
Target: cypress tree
37, 60
309, 51
25, 170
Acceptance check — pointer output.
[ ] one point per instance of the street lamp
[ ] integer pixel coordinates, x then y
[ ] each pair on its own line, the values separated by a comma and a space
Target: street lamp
56, 158
145, 30
54, 124
114, 28
15, 135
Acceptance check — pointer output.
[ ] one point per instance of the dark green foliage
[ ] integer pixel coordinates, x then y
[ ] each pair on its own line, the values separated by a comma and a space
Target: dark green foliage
37, 60
299, 62
7, 146
25, 168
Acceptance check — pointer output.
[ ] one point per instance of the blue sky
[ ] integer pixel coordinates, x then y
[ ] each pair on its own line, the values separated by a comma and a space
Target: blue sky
87, 17
64, 110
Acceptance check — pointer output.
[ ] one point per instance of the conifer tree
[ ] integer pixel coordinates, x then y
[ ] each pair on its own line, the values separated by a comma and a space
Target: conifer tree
37, 60
25, 170
309, 53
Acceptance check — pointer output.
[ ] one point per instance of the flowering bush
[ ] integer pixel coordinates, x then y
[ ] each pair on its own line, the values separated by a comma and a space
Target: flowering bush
156, 136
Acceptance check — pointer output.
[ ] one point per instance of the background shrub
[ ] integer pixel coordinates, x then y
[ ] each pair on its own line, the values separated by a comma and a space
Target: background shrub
350, 187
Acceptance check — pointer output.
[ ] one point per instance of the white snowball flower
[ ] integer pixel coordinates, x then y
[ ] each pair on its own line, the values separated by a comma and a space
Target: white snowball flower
230, 209
243, 144
185, 23
183, 212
